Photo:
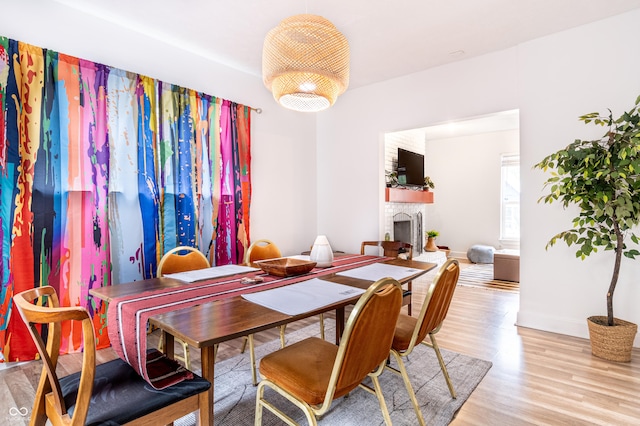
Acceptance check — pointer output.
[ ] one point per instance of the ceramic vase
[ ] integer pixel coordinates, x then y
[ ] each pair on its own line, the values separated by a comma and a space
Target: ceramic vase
431, 244
321, 252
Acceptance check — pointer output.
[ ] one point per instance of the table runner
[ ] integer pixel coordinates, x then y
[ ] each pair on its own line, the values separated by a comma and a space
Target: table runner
128, 315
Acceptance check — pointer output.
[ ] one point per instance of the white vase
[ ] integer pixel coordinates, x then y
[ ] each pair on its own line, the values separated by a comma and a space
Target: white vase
321, 252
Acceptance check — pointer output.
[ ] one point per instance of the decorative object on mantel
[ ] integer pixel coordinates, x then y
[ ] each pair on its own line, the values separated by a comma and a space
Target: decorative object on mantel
601, 178
305, 63
391, 179
428, 183
431, 240
321, 252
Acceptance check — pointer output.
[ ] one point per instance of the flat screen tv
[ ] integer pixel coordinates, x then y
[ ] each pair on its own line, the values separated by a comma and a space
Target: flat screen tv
410, 168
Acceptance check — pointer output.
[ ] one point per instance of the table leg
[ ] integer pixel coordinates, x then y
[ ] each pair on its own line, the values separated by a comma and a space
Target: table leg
168, 348
339, 324
208, 364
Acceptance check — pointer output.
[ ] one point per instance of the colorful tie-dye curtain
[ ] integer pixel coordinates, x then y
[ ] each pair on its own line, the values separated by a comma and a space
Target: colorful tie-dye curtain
101, 172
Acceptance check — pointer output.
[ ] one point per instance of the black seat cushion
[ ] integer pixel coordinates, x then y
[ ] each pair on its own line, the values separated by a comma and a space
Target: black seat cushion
121, 395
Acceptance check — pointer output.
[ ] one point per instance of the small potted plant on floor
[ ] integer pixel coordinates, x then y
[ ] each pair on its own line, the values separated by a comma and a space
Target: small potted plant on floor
602, 178
431, 240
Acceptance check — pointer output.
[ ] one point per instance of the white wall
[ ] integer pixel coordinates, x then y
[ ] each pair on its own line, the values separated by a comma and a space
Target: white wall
283, 206
551, 81
466, 171
351, 135
590, 68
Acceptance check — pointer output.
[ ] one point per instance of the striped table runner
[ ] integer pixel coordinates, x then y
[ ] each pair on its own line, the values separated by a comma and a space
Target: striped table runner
130, 314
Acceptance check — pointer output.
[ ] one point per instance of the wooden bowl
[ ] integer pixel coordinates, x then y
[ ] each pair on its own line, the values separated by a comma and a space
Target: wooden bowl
285, 266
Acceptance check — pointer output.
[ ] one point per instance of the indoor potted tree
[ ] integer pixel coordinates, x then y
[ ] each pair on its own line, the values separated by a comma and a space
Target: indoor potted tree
602, 178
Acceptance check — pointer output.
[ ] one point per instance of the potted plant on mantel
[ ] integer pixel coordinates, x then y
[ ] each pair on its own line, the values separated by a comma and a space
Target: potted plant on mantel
602, 178
428, 184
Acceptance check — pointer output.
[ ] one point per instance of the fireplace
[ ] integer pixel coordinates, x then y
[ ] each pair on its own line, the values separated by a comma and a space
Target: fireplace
403, 228
405, 222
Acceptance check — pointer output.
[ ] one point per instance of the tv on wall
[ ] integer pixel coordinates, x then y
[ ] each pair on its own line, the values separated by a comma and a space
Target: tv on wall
410, 168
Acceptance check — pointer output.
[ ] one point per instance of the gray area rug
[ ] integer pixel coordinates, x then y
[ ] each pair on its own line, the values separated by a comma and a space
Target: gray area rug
235, 395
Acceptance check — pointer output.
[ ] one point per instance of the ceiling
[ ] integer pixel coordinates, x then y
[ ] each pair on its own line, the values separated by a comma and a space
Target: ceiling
496, 122
388, 39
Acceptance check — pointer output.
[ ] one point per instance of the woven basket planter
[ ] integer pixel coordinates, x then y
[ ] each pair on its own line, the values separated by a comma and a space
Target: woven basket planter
611, 343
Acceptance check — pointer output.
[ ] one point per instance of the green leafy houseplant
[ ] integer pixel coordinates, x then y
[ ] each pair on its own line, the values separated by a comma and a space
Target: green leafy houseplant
602, 178
428, 183
431, 240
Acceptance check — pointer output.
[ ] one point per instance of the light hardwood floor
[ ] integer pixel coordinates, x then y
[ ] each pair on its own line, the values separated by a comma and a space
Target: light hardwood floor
537, 378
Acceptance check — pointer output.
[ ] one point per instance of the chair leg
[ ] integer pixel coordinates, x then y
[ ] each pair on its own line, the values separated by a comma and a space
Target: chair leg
252, 356
215, 352
244, 344
380, 395
261, 402
187, 357
283, 327
322, 326
407, 384
161, 342
443, 367
259, 397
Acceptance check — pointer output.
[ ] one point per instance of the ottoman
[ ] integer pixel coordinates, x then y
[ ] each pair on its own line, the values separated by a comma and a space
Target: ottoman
506, 265
480, 254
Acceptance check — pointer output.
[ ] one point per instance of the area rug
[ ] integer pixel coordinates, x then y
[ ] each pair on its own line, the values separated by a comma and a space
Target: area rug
235, 395
481, 275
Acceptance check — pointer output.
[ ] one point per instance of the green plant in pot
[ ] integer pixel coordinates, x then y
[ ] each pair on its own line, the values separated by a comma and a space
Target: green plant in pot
431, 240
602, 178
428, 183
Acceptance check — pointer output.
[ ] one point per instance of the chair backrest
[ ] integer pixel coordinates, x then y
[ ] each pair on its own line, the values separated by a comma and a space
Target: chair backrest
261, 250
437, 301
389, 248
366, 340
181, 259
47, 311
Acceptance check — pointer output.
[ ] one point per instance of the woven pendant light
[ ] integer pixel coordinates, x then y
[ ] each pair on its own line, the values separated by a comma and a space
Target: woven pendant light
305, 63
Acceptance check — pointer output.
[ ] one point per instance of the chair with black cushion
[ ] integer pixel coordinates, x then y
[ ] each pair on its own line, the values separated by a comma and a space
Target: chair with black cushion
109, 393
393, 249
411, 331
313, 372
181, 259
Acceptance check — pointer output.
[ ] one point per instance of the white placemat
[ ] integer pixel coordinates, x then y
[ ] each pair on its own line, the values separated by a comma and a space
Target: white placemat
213, 272
377, 271
303, 297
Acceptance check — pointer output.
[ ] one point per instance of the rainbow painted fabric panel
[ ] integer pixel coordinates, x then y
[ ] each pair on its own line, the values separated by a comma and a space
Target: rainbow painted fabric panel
101, 172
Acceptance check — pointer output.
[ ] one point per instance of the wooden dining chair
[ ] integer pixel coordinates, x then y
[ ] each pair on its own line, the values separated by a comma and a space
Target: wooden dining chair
262, 249
411, 331
181, 259
109, 393
393, 249
313, 372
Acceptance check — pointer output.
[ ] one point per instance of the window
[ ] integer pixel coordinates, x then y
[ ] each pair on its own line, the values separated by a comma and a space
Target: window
510, 198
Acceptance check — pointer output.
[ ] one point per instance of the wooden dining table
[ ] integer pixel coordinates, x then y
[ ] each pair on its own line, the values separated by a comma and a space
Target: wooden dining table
205, 325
